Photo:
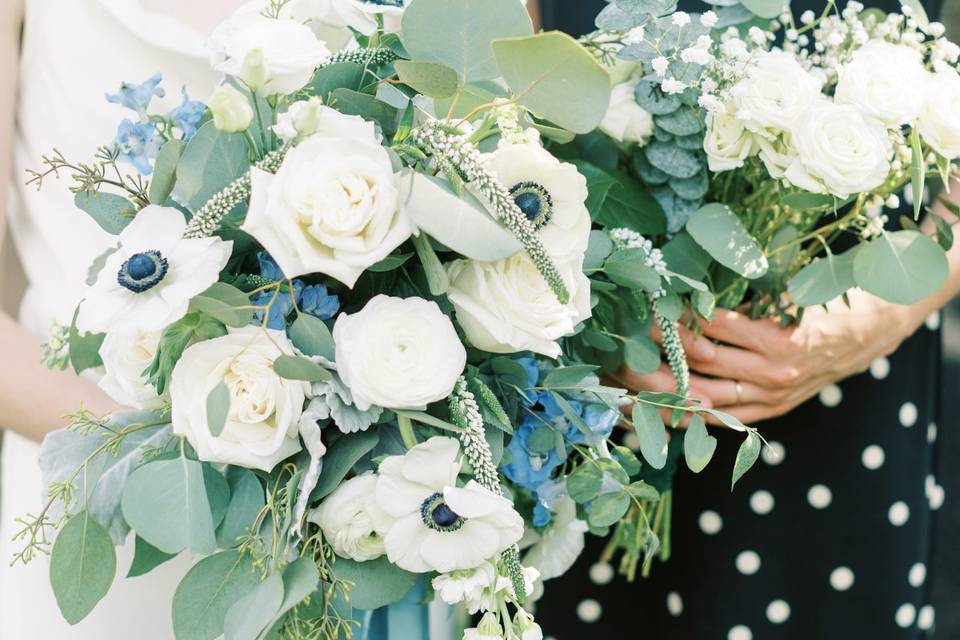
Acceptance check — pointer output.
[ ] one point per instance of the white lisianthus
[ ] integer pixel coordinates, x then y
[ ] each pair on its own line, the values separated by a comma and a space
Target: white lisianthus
560, 544
939, 122
331, 20
625, 120
433, 525
289, 51
506, 306
231, 109
775, 92
882, 79
334, 205
261, 425
126, 356
550, 193
348, 518
839, 151
466, 584
728, 142
302, 118
398, 353
148, 282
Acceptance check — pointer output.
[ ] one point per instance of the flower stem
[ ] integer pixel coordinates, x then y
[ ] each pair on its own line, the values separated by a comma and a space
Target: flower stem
406, 431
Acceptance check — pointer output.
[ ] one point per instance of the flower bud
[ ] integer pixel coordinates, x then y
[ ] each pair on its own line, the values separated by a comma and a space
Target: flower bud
254, 71
231, 109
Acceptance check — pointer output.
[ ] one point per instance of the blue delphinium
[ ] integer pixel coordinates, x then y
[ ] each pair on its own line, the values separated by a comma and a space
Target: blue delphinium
312, 299
531, 465
529, 396
547, 494
316, 301
139, 143
187, 116
138, 96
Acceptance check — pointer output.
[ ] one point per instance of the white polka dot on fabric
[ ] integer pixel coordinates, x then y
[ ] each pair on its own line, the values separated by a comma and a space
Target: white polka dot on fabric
631, 441
748, 562
819, 496
841, 578
774, 453
740, 632
880, 368
589, 610
674, 604
932, 432
601, 573
761, 502
831, 395
873, 457
908, 414
933, 321
778, 611
917, 574
926, 617
710, 522
899, 513
936, 496
906, 613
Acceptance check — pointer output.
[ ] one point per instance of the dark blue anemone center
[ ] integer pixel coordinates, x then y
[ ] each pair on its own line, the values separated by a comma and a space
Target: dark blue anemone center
386, 3
142, 271
534, 201
438, 515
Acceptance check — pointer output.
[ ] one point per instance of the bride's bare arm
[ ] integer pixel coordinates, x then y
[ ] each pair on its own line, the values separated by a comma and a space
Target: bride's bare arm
33, 399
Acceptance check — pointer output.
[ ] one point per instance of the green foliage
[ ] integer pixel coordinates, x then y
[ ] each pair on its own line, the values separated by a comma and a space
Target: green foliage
584, 483
110, 211
82, 566
429, 78
247, 499
251, 614
641, 354
823, 280
354, 103
340, 458
297, 368
210, 161
312, 336
698, 445
918, 169
376, 583
178, 336
718, 230
652, 434
626, 267
218, 407
901, 266
672, 160
207, 593
543, 69
615, 200
146, 558
607, 508
746, 456
437, 279
84, 348
164, 176
225, 303
342, 75
459, 34
768, 9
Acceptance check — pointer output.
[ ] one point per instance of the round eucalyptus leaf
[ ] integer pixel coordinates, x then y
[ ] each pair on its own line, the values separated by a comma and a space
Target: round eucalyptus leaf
650, 97
208, 591
672, 160
721, 233
766, 8
823, 280
902, 267
377, 583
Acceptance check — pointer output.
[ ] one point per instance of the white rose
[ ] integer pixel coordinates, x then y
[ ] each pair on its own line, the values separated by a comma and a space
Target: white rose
349, 518
506, 306
625, 120
939, 122
884, 79
334, 205
126, 356
727, 143
261, 425
331, 20
290, 51
840, 151
776, 154
398, 353
776, 91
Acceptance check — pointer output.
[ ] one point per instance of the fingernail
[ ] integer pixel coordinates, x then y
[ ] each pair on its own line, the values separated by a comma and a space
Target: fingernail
703, 349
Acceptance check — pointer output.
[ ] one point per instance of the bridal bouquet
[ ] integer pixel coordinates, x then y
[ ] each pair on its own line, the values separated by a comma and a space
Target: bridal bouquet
772, 144
360, 302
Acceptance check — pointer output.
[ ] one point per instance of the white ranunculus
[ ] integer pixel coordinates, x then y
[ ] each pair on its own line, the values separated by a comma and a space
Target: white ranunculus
464, 585
331, 20
839, 151
126, 356
348, 518
728, 142
939, 122
560, 544
334, 205
552, 194
289, 50
261, 426
148, 282
506, 306
883, 79
398, 353
625, 120
775, 92
434, 525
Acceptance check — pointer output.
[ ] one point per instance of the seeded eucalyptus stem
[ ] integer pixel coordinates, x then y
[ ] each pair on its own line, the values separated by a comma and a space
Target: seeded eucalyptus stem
446, 144
466, 414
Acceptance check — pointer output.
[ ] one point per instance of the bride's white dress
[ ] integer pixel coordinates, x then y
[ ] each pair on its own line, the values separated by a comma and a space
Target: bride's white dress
73, 52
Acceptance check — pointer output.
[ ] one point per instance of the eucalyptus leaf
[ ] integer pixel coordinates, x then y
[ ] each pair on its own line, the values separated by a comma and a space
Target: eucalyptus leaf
345, 452
672, 160
112, 212
146, 558
768, 9
584, 483
903, 267
437, 279
598, 248
218, 406
311, 336
342, 75
251, 614
607, 509
354, 103
225, 303
652, 434
569, 376
682, 122
297, 368
698, 445
83, 564
823, 280
83, 348
641, 354
918, 169
164, 176
211, 160
616, 200
247, 498
627, 267
746, 456
719, 231
208, 591
377, 583
429, 78
650, 97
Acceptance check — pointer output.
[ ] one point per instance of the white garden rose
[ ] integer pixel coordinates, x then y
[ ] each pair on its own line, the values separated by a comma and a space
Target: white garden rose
550, 193
882, 79
939, 123
348, 518
334, 205
126, 356
728, 142
331, 20
775, 92
398, 353
506, 306
625, 120
286, 49
839, 151
261, 426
